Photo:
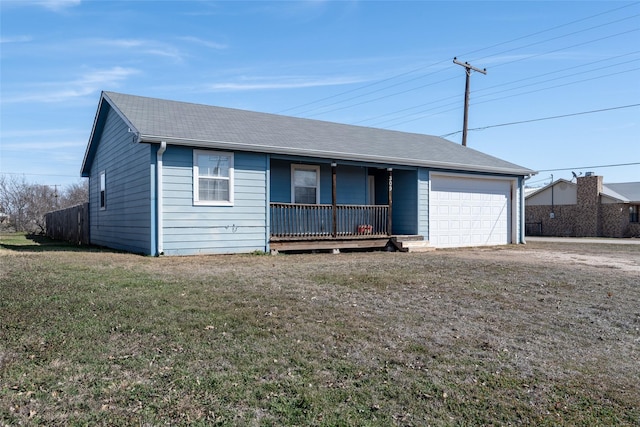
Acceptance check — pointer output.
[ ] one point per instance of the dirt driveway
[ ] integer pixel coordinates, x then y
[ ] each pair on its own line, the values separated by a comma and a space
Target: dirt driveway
579, 252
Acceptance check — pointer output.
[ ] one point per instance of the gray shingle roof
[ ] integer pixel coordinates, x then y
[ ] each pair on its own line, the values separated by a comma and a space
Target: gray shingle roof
625, 191
208, 126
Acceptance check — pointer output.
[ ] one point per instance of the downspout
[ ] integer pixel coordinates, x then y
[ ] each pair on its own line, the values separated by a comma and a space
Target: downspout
334, 200
159, 199
553, 208
522, 211
390, 201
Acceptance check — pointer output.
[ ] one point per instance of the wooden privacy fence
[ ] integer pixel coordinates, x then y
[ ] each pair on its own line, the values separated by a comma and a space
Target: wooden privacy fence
71, 224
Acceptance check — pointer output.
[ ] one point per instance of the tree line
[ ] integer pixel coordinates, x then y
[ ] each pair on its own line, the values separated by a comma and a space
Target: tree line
23, 205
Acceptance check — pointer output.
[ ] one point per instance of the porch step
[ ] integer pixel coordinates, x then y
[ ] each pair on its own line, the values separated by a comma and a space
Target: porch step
411, 244
415, 246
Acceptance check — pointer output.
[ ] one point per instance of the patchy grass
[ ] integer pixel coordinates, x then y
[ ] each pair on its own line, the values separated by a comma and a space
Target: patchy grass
513, 335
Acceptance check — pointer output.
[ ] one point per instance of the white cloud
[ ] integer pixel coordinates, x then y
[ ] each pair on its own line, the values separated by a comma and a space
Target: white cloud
37, 133
206, 43
122, 43
147, 47
282, 83
168, 53
41, 145
57, 5
16, 39
87, 84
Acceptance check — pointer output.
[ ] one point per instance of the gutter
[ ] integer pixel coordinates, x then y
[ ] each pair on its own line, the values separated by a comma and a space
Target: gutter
331, 155
159, 199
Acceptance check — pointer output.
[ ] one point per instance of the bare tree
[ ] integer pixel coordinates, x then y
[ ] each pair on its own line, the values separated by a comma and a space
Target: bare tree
14, 201
25, 204
74, 194
43, 199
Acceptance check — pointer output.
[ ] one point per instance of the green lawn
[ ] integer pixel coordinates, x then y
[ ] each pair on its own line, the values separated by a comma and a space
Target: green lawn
468, 337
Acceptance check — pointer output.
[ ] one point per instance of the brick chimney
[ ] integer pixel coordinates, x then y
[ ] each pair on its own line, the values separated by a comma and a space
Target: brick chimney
589, 189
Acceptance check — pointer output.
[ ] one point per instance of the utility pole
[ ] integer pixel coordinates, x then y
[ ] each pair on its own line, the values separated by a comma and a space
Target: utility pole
467, 68
55, 193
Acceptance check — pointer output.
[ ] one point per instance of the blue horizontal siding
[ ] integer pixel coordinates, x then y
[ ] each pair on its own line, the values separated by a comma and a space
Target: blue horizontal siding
351, 185
280, 181
124, 224
405, 203
351, 182
194, 229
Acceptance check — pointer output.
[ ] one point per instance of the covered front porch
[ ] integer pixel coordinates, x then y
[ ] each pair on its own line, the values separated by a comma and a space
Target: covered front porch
354, 206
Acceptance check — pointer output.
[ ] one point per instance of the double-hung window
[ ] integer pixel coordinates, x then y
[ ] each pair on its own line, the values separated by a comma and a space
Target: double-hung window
212, 178
633, 213
305, 184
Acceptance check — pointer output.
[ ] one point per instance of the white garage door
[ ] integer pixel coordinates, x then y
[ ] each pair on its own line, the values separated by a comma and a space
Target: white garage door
467, 211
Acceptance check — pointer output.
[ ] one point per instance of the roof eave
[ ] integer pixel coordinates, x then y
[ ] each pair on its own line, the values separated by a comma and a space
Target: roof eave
541, 189
331, 155
96, 129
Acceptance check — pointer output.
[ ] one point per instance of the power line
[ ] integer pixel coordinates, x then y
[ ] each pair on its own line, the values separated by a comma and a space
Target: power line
545, 118
552, 87
503, 97
556, 27
40, 174
378, 98
554, 38
591, 167
539, 180
567, 47
397, 112
359, 88
464, 54
430, 84
407, 109
572, 68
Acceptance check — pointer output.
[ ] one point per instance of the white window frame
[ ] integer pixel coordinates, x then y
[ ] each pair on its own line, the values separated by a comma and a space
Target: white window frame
196, 176
102, 193
315, 168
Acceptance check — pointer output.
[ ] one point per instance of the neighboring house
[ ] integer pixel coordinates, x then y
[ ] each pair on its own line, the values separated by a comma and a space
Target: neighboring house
176, 178
587, 208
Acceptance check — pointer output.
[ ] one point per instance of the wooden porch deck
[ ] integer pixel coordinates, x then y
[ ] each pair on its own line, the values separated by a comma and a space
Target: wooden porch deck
403, 243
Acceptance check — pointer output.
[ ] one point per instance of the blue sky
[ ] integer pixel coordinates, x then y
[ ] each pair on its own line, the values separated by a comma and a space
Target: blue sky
380, 64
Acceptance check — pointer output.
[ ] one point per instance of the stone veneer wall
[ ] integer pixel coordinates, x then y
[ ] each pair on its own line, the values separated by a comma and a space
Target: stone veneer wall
614, 220
611, 220
589, 189
563, 223
588, 218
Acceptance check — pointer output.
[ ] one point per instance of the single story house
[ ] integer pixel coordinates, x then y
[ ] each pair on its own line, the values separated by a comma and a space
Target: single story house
586, 208
177, 178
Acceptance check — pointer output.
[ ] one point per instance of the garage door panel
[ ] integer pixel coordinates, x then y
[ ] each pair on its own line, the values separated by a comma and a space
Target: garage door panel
468, 211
